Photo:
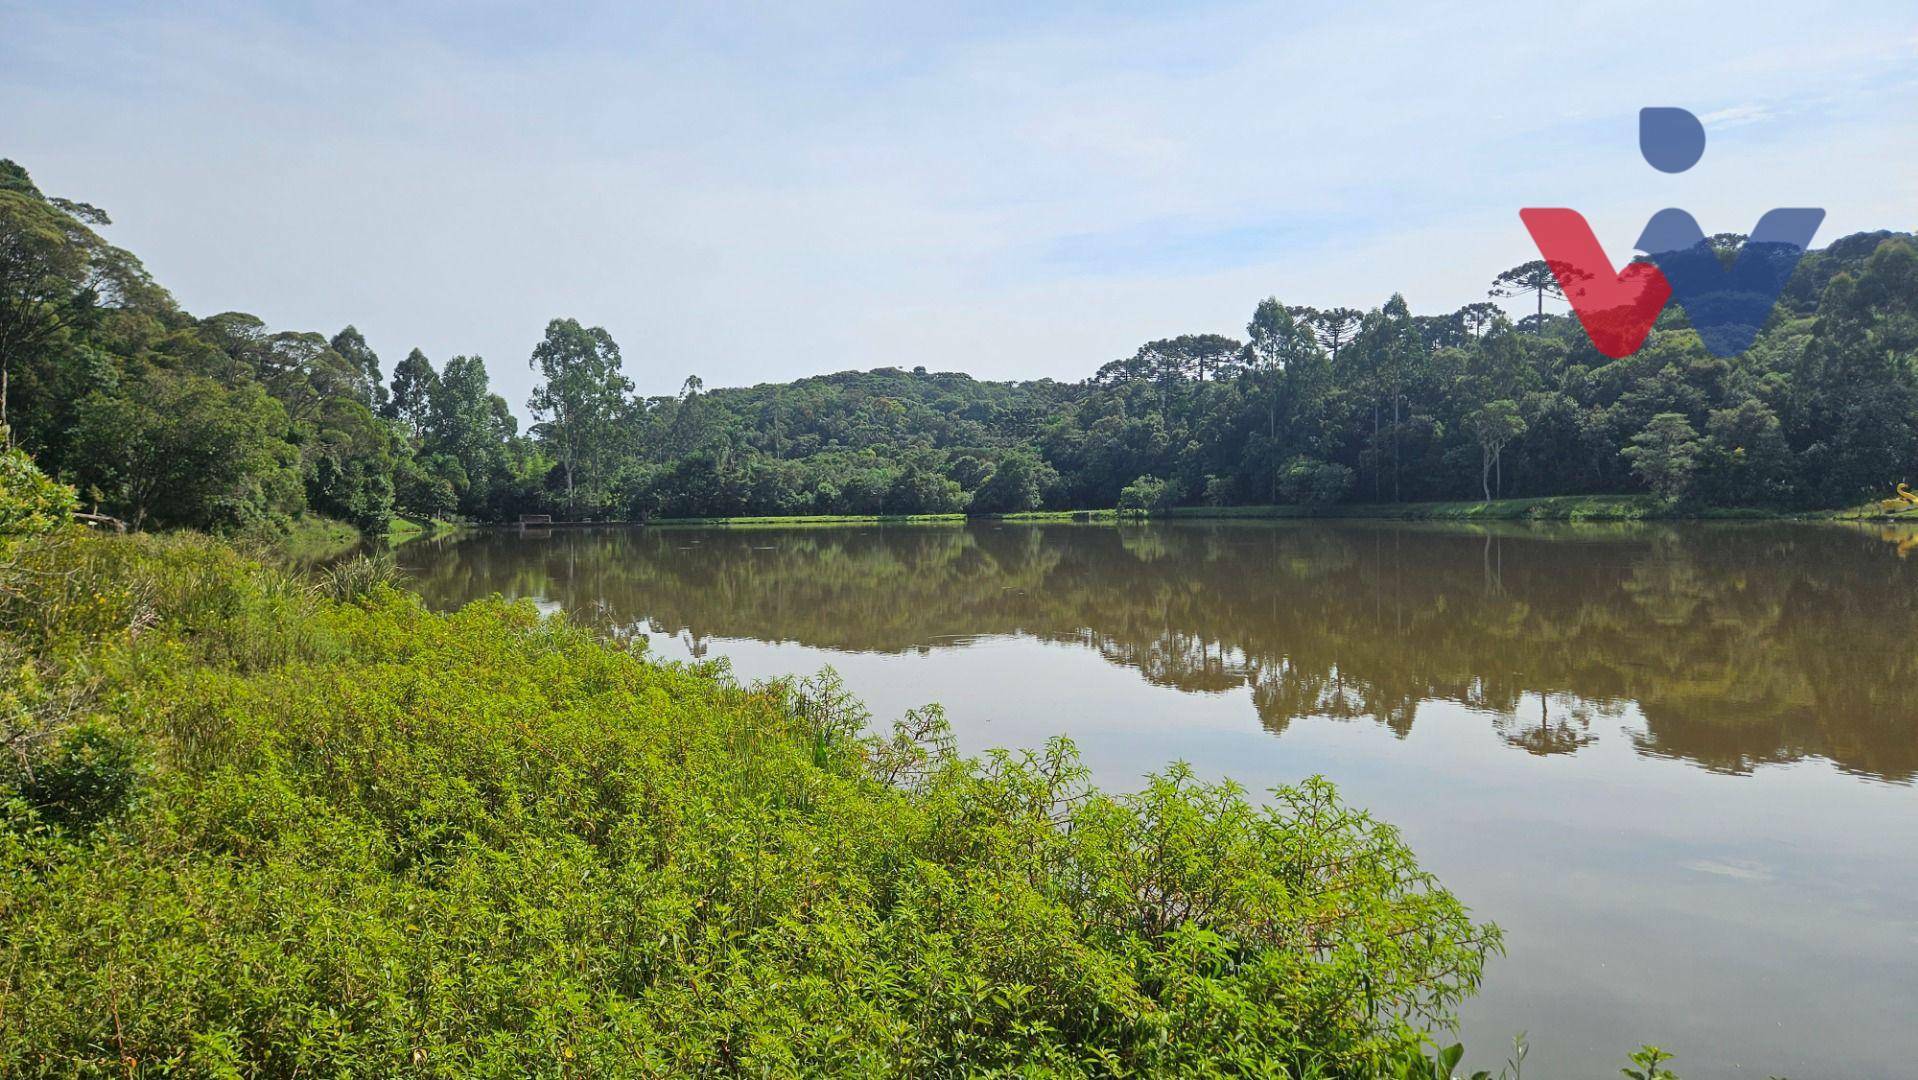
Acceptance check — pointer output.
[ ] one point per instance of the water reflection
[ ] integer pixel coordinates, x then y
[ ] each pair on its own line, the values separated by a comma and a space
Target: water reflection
1740, 645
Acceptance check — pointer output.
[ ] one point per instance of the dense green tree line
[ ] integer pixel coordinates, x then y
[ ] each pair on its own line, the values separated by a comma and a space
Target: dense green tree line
1322, 406
167, 419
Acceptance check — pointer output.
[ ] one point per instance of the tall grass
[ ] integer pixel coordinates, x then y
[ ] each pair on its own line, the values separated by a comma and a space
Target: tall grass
357, 577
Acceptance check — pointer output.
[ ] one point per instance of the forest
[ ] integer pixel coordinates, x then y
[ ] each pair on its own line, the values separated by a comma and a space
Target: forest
161, 418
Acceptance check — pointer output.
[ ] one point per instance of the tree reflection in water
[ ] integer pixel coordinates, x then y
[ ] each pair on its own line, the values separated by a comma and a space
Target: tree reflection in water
1740, 644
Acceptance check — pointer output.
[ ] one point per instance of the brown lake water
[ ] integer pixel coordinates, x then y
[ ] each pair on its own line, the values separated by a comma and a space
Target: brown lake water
1675, 762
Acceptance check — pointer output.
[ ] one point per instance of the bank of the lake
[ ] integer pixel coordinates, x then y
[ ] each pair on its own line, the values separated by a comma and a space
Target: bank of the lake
404, 530
259, 823
1029, 517
309, 538
1562, 508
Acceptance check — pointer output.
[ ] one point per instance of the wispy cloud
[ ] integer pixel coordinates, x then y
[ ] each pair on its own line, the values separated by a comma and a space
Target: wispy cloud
1736, 116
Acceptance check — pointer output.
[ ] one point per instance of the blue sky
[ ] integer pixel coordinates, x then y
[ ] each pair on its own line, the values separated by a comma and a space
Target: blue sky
1015, 190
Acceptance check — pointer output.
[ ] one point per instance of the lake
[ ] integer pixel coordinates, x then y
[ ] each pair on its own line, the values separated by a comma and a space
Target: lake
1674, 762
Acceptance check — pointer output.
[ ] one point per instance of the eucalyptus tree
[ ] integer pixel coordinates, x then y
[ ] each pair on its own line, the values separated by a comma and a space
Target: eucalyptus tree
470, 424
351, 345
414, 384
1494, 424
580, 403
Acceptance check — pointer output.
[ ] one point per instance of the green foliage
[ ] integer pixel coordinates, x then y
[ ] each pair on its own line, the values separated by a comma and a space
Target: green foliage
88, 774
580, 403
1144, 495
29, 502
920, 490
368, 839
1016, 484
1306, 482
1441, 1065
1665, 454
1650, 1065
183, 450
1495, 424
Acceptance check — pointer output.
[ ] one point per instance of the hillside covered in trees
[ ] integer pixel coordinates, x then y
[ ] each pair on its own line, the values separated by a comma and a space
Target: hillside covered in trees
164, 418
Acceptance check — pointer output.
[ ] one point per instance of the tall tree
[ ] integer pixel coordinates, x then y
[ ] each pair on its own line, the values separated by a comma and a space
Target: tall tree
414, 384
1334, 327
1479, 317
1664, 454
1279, 349
472, 425
54, 270
580, 401
352, 347
1537, 278
1393, 351
1494, 424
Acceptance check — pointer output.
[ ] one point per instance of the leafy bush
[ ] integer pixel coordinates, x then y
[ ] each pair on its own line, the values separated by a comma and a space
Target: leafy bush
1144, 495
372, 839
89, 774
1309, 482
29, 501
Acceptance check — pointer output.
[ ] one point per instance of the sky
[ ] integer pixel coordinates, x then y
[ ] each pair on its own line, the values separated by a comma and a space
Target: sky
762, 192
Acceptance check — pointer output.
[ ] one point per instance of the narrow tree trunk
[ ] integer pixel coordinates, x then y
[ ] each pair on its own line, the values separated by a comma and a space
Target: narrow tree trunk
1395, 448
1375, 451
1272, 441
1485, 470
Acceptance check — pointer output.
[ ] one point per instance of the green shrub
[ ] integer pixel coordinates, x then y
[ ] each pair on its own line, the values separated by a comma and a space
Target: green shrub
1144, 495
374, 840
1307, 481
29, 502
88, 775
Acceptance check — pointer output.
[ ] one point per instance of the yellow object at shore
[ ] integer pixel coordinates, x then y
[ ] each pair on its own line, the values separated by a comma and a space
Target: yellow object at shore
1906, 499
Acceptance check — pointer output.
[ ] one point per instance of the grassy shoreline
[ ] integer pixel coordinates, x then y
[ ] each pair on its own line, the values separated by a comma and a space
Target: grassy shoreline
797, 520
404, 530
310, 538
1554, 508
1551, 508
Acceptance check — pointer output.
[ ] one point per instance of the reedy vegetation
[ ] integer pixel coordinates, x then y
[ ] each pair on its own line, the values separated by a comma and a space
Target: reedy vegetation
220, 422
